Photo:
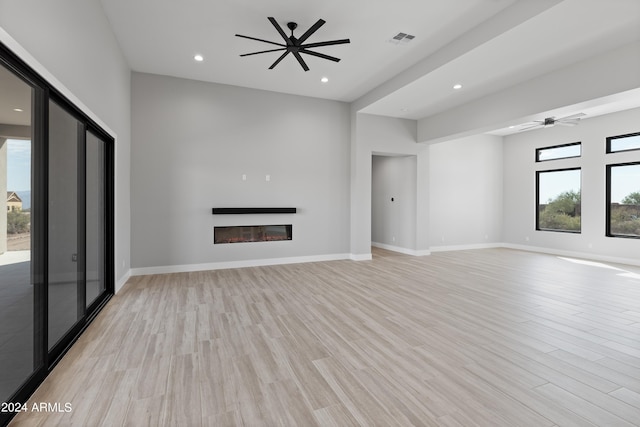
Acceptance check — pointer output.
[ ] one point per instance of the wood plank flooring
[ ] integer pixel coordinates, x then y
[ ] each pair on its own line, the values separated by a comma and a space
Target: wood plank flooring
491, 337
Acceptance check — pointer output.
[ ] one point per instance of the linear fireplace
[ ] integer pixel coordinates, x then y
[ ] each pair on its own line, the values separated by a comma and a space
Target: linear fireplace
252, 233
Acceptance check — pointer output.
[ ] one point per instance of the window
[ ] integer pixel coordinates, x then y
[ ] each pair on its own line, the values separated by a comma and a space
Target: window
558, 200
623, 200
623, 143
564, 151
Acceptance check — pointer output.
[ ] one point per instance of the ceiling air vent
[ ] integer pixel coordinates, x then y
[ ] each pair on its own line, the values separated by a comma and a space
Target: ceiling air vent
401, 38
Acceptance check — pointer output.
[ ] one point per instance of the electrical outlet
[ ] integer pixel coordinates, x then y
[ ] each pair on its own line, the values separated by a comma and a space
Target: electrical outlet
74, 257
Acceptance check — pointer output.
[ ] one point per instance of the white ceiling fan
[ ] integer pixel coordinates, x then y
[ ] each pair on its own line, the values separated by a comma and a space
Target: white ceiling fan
548, 122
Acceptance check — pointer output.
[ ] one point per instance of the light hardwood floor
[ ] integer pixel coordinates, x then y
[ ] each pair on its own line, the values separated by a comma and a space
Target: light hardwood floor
490, 337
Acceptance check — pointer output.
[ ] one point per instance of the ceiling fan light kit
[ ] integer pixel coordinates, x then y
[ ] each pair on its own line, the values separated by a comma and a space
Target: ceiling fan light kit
296, 45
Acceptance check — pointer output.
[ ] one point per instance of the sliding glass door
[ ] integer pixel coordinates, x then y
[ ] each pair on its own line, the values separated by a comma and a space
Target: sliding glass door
56, 228
77, 236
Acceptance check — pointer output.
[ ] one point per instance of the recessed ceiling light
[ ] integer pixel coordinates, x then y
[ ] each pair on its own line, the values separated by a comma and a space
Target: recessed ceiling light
457, 86
18, 110
512, 127
324, 79
198, 58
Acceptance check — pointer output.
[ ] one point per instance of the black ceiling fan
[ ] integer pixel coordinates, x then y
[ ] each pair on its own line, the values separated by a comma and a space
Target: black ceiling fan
294, 45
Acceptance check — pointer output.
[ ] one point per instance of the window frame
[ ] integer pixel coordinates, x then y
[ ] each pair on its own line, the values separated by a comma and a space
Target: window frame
608, 232
538, 150
611, 138
538, 173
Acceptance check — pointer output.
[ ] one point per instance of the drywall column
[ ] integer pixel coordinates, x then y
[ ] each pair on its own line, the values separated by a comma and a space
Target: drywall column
422, 202
3, 195
360, 194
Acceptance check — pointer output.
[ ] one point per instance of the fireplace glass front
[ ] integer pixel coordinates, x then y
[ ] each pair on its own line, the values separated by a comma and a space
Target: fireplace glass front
252, 233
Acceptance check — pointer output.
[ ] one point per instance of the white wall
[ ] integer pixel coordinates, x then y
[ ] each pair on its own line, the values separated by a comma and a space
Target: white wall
393, 223
465, 192
519, 188
193, 141
70, 43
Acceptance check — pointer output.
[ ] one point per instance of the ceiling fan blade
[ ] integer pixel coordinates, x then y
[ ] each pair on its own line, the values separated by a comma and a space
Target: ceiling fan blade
260, 40
573, 116
320, 55
311, 30
278, 60
537, 125
301, 61
533, 123
327, 43
263, 51
567, 122
281, 31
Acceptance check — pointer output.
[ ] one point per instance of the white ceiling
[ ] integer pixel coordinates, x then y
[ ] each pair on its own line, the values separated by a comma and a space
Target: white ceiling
486, 45
569, 32
14, 95
161, 37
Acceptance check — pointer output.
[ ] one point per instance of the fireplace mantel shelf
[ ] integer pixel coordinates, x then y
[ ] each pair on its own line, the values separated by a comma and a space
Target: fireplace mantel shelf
237, 211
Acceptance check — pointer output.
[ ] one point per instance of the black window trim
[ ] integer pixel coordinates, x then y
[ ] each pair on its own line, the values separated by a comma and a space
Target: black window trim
538, 172
538, 150
608, 232
611, 138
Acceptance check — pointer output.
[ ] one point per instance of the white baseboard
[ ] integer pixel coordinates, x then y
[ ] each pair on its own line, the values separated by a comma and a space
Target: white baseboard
574, 254
120, 283
405, 251
359, 257
235, 264
539, 249
466, 247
